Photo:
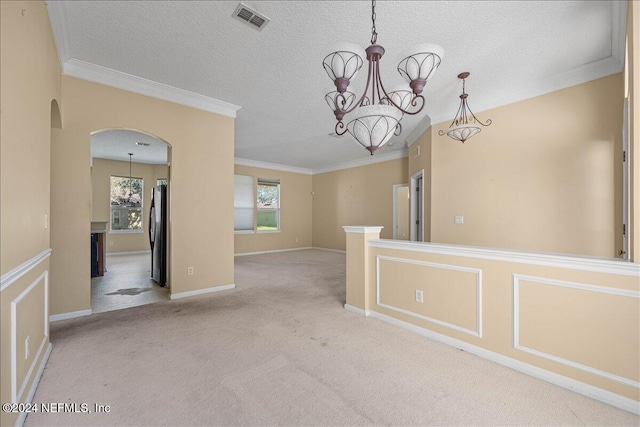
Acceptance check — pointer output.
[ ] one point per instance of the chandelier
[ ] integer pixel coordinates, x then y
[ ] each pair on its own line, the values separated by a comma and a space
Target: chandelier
378, 111
465, 124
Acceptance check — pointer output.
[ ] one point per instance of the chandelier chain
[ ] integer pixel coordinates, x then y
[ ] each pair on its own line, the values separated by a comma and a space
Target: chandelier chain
374, 33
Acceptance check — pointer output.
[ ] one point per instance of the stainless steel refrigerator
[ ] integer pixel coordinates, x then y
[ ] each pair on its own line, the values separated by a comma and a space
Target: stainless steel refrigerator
158, 234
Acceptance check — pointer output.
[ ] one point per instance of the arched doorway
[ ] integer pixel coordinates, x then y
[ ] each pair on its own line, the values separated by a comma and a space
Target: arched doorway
130, 180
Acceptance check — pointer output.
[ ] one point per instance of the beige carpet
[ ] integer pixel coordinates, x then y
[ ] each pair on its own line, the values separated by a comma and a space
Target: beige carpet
281, 350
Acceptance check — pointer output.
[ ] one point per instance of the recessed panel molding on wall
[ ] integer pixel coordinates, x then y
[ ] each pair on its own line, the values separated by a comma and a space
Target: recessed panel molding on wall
462, 291
593, 326
19, 385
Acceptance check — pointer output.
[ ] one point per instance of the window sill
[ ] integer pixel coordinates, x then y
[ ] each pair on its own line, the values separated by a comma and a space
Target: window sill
126, 231
243, 231
267, 231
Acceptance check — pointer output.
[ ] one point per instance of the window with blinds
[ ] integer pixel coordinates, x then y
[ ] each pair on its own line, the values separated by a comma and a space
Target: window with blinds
243, 203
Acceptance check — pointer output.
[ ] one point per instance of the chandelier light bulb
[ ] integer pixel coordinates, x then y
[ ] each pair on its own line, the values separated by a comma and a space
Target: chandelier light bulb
462, 133
374, 125
339, 102
343, 64
418, 67
400, 96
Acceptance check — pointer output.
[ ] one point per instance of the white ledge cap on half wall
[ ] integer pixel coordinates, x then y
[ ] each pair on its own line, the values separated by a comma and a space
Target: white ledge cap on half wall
362, 229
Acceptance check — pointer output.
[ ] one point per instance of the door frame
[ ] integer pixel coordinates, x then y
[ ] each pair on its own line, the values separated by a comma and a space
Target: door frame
415, 204
624, 253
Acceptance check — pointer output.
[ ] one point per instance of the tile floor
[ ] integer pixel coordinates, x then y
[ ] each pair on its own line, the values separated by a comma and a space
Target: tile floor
126, 283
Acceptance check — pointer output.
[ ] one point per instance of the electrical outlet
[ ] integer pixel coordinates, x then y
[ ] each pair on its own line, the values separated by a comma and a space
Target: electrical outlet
190, 271
27, 347
459, 219
46, 221
419, 296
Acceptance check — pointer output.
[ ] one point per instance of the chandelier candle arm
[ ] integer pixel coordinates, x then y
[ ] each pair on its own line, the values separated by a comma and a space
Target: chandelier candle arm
372, 56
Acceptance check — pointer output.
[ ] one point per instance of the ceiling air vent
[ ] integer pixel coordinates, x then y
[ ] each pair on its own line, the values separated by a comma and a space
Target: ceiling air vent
250, 17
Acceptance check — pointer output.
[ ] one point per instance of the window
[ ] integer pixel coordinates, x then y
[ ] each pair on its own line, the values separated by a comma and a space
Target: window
243, 203
126, 204
268, 204
162, 181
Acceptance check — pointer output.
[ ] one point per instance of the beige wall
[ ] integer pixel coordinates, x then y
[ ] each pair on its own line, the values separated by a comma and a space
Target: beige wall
420, 160
295, 213
546, 176
356, 196
202, 146
101, 184
29, 81
402, 201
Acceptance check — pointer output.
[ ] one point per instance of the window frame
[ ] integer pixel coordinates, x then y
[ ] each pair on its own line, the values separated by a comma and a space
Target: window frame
119, 216
273, 183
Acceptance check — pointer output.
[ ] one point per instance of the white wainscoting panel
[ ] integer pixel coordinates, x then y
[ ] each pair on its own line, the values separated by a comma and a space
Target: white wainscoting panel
18, 390
478, 272
581, 286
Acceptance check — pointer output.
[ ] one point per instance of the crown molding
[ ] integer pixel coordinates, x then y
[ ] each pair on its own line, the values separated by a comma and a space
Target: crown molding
59, 25
273, 166
418, 130
106, 76
378, 158
585, 73
369, 160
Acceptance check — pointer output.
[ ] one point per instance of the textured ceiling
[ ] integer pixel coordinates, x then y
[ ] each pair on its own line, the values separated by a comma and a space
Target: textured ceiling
116, 144
513, 49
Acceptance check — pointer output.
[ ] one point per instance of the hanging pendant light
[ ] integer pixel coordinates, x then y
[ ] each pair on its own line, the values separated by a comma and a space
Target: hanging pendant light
465, 124
377, 112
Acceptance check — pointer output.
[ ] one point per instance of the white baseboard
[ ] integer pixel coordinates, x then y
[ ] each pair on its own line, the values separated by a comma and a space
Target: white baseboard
202, 291
129, 253
356, 310
330, 250
70, 315
273, 252
588, 390
289, 250
34, 385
